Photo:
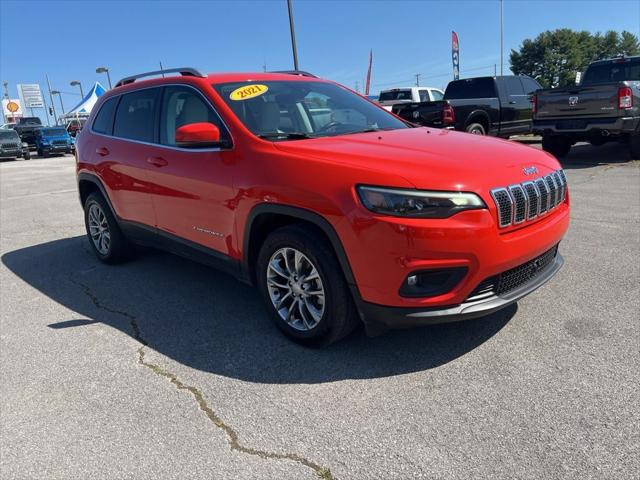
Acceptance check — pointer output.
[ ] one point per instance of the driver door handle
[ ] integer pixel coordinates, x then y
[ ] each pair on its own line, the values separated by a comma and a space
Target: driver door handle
157, 161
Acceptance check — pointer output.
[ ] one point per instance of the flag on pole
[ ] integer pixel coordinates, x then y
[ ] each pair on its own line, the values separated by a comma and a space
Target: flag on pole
368, 82
455, 55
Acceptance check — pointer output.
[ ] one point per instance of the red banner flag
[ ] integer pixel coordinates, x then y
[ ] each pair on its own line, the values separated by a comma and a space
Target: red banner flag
368, 82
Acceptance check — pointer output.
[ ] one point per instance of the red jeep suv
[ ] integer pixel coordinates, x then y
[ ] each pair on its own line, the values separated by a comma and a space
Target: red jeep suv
336, 209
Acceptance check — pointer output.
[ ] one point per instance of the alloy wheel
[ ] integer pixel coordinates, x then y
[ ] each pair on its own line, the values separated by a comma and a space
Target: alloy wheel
295, 289
99, 229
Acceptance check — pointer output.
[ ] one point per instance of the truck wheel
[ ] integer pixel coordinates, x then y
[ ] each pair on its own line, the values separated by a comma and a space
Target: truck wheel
556, 145
105, 237
634, 143
476, 129
303, 288
26, 155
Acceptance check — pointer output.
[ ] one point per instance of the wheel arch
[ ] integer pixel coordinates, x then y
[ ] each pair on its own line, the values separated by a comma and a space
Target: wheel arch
481, 117
265, 218
89, 183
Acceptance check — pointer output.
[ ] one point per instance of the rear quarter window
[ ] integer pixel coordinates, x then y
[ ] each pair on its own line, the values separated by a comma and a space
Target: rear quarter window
104, 119
483, 87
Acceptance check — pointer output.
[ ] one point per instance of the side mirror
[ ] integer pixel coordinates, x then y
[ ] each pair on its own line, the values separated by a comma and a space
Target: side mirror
198, 135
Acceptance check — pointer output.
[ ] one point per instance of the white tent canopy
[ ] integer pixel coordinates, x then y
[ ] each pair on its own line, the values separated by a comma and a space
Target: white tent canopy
83, 109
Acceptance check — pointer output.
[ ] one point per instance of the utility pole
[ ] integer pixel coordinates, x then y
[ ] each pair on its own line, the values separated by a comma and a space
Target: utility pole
264, 66
53, 106
501, 37
495, 70
293, 36
357, 87
418, 75
6, 95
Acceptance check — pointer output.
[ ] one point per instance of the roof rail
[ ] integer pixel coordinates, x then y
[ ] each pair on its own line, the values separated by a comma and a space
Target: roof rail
184, 71
300, 73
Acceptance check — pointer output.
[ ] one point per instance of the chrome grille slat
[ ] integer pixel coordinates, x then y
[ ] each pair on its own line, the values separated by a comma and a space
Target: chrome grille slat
533, 196
525, 201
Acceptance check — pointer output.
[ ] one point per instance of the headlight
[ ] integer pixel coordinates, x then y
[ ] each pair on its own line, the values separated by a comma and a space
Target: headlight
25, 145
400, 202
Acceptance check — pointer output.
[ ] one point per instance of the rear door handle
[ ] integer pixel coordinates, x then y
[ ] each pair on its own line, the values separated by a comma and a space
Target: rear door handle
512, 102
157, 161
102, 151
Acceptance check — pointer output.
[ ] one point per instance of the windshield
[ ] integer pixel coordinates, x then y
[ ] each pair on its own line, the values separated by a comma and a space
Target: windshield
393, 95
52, 132
282, 110
617, 71
9, 135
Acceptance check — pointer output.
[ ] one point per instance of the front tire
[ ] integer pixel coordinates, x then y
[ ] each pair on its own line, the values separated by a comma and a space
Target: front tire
556, 145
303, 288
26, 156
104, 234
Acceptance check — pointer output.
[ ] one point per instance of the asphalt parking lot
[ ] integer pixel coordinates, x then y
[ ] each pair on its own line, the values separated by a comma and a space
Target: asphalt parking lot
163, 368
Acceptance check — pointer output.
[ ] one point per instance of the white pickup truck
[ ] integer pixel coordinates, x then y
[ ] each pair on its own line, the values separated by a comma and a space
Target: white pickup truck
393, 96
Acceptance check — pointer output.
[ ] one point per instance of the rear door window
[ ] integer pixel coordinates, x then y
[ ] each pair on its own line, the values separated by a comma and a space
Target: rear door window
483, 87
104, 119
135, 116
437, 95
424, 95
514, 86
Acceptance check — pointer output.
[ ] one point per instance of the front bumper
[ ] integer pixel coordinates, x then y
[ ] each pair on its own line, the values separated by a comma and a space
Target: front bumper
11, 153
379, 318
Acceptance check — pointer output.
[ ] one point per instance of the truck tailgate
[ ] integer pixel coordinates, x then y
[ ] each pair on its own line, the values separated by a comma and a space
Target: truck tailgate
424, 113
592, 101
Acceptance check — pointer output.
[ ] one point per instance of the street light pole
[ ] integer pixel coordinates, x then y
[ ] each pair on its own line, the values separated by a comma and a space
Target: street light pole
501, 37
53, 105
105, 70
76, 82
418, 79
293, 36
56, 92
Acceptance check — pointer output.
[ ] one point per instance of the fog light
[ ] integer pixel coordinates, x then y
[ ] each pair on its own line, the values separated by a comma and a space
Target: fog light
430, 283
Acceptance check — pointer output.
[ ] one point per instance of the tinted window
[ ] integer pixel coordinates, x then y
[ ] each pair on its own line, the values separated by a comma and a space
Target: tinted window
395, 95
513, 85
181, 106
424, 95
52, 132
616, 71
530, 85
437, 95
104, 119
483, 87
135, 115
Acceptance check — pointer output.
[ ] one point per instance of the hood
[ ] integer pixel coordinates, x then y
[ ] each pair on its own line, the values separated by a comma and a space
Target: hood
430, 158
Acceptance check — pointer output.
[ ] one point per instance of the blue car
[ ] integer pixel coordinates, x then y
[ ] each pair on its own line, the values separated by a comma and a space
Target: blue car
53, 140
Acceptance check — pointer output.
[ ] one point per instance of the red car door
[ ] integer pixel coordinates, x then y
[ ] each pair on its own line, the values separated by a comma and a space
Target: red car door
123, 156
193, 193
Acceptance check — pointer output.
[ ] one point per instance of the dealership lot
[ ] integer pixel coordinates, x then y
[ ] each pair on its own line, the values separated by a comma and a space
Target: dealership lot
161, 366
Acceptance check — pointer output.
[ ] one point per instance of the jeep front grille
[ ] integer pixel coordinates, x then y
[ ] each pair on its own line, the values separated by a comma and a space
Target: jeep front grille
524, 202
10, 146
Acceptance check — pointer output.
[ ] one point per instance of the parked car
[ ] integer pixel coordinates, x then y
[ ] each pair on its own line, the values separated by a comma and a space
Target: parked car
26, 128
394, 96
497, 106
337, 210
604, 107
11, 146
53, 140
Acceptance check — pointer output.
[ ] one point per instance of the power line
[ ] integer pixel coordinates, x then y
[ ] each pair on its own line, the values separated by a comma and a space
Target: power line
439, 75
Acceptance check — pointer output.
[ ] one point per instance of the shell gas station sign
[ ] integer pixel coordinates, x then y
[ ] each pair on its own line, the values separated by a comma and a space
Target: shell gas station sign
11, 107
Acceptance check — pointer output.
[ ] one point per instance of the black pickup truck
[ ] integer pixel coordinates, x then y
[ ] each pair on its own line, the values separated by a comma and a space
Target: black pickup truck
604, 107
26, 128
497, 106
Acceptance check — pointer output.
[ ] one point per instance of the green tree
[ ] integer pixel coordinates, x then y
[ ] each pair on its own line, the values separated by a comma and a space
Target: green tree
554, 57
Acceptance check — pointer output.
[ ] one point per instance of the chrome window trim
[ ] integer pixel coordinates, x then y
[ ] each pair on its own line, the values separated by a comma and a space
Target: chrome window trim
169, 147
511, 188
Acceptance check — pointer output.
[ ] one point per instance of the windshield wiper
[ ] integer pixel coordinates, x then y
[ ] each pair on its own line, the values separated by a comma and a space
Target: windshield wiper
284, 135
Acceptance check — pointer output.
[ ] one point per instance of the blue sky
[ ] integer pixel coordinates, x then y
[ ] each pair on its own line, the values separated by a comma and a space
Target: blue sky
69, 39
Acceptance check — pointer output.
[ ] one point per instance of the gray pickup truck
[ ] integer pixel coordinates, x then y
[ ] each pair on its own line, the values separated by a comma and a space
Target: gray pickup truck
604, 107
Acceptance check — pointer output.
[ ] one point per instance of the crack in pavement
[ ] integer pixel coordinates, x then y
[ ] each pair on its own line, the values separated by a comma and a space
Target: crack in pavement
232, 436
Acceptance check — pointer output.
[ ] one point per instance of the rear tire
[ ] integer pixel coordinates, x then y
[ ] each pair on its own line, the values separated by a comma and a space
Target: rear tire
26, 156
288, 257
556, 145
476, 129
634, 144
105, 237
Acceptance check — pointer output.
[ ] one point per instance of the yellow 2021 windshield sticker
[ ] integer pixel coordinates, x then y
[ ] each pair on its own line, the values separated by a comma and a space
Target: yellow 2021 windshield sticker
248, 91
